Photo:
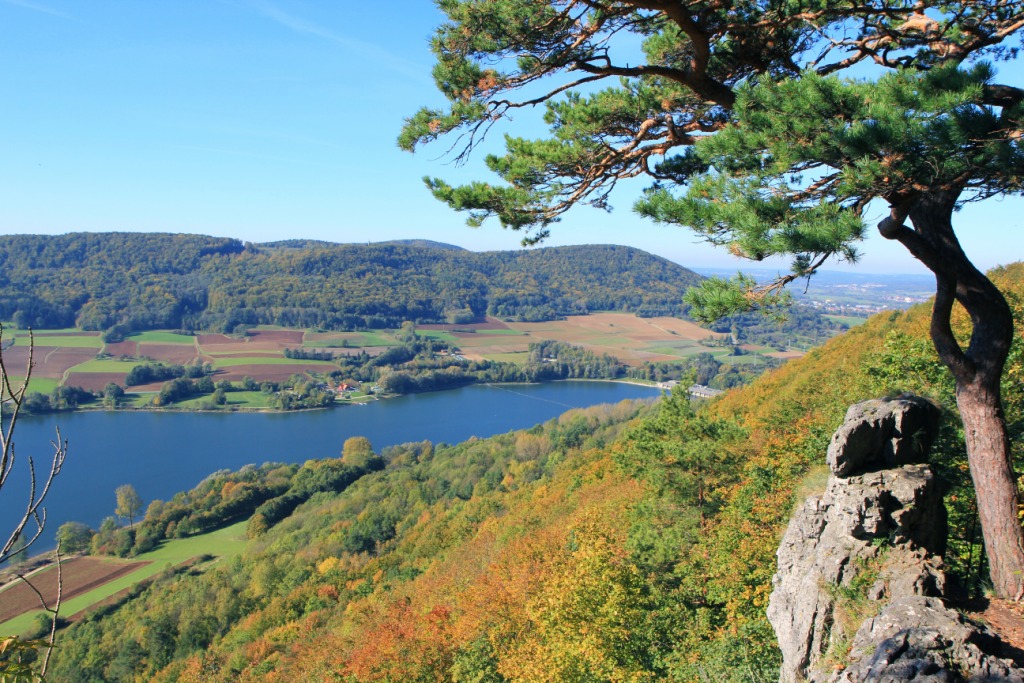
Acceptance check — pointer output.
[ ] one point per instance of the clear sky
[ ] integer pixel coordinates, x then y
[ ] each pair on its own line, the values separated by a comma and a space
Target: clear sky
267, 120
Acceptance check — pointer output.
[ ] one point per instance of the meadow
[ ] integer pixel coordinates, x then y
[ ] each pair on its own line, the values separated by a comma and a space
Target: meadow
82, 359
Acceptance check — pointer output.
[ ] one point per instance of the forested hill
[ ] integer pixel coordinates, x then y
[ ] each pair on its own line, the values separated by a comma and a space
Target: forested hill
616, 543
150, 281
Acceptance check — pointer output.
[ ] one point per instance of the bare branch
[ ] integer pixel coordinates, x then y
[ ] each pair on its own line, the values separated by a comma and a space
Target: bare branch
777, 285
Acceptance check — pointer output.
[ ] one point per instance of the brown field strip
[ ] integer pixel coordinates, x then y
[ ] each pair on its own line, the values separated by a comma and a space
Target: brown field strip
280, 338
491, 324
273, 373
79, 575
49, 361
312, 338
244, 347
220, 348
493, 342
96, 381
216, 339
55, 361
630, 339
625, 325
123, 348
52, 333
16, 359
168, 353
260, 340
245, 354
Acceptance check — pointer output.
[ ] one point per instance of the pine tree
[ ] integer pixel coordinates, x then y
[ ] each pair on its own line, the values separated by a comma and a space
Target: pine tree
748, 122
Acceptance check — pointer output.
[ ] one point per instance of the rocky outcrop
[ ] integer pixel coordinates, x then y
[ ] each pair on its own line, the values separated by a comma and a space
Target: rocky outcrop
919, 639
869, 550
882, 434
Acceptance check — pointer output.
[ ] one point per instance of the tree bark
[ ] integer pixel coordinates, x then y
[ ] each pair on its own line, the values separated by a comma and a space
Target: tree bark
977, 370
995, 484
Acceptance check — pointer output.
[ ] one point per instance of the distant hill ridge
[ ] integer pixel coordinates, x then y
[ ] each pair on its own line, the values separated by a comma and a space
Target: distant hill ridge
305, 243
160, 280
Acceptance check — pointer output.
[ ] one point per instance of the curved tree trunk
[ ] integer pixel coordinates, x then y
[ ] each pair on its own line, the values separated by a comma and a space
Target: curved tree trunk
988, 452
977, 370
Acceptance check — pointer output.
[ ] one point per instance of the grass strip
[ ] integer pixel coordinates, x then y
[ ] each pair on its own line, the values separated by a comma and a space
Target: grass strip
223, 543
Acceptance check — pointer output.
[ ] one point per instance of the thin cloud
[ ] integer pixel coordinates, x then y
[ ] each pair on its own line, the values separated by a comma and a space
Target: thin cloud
37, 8
299, 25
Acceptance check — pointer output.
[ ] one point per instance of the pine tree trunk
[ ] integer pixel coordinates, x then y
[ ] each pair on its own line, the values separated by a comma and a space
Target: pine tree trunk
978, 370
988, 452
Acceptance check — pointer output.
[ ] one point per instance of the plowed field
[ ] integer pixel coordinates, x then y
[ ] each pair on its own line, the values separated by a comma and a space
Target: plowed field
169, 353
96, 381
124, 348
274, 373
79, 575
49, 361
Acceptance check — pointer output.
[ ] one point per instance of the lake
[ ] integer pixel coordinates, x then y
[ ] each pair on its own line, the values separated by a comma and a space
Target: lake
163, 453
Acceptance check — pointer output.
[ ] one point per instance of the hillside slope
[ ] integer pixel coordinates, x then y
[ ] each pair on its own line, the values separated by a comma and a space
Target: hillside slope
160, 281
614, 544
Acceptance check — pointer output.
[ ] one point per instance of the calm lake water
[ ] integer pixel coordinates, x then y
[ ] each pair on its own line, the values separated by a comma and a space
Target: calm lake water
163, 453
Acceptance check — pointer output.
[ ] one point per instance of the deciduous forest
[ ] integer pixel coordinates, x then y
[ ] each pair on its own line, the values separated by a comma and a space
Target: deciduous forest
152, 281
629, 542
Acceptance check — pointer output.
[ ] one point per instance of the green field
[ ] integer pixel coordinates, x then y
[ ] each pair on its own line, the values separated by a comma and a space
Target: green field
224, 544
248, 399
356, 397
353, 340
850, 320
437, 334
77, 341
236, 399
9, 326
194, 403
44, 385
158, 337
375, 339
143, 400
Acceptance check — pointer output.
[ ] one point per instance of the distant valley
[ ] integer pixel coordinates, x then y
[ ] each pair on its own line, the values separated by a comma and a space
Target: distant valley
195, 322
850, 294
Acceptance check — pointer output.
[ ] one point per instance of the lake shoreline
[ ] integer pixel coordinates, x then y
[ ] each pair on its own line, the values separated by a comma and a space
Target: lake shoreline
90, 408
162, 452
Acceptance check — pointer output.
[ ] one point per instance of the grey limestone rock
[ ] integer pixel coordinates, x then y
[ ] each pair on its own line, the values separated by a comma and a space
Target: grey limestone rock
919, 639
834, 536
881, 433
882, 509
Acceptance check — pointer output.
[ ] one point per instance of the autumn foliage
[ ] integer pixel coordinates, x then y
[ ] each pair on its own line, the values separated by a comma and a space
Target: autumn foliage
620, 543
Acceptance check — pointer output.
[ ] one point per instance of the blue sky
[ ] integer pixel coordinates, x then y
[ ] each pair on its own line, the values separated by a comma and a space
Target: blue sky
272, 120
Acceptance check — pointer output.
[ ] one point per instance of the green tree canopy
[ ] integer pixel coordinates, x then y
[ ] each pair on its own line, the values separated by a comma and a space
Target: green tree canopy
768, 128
74, 537
129, 504
357, 451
